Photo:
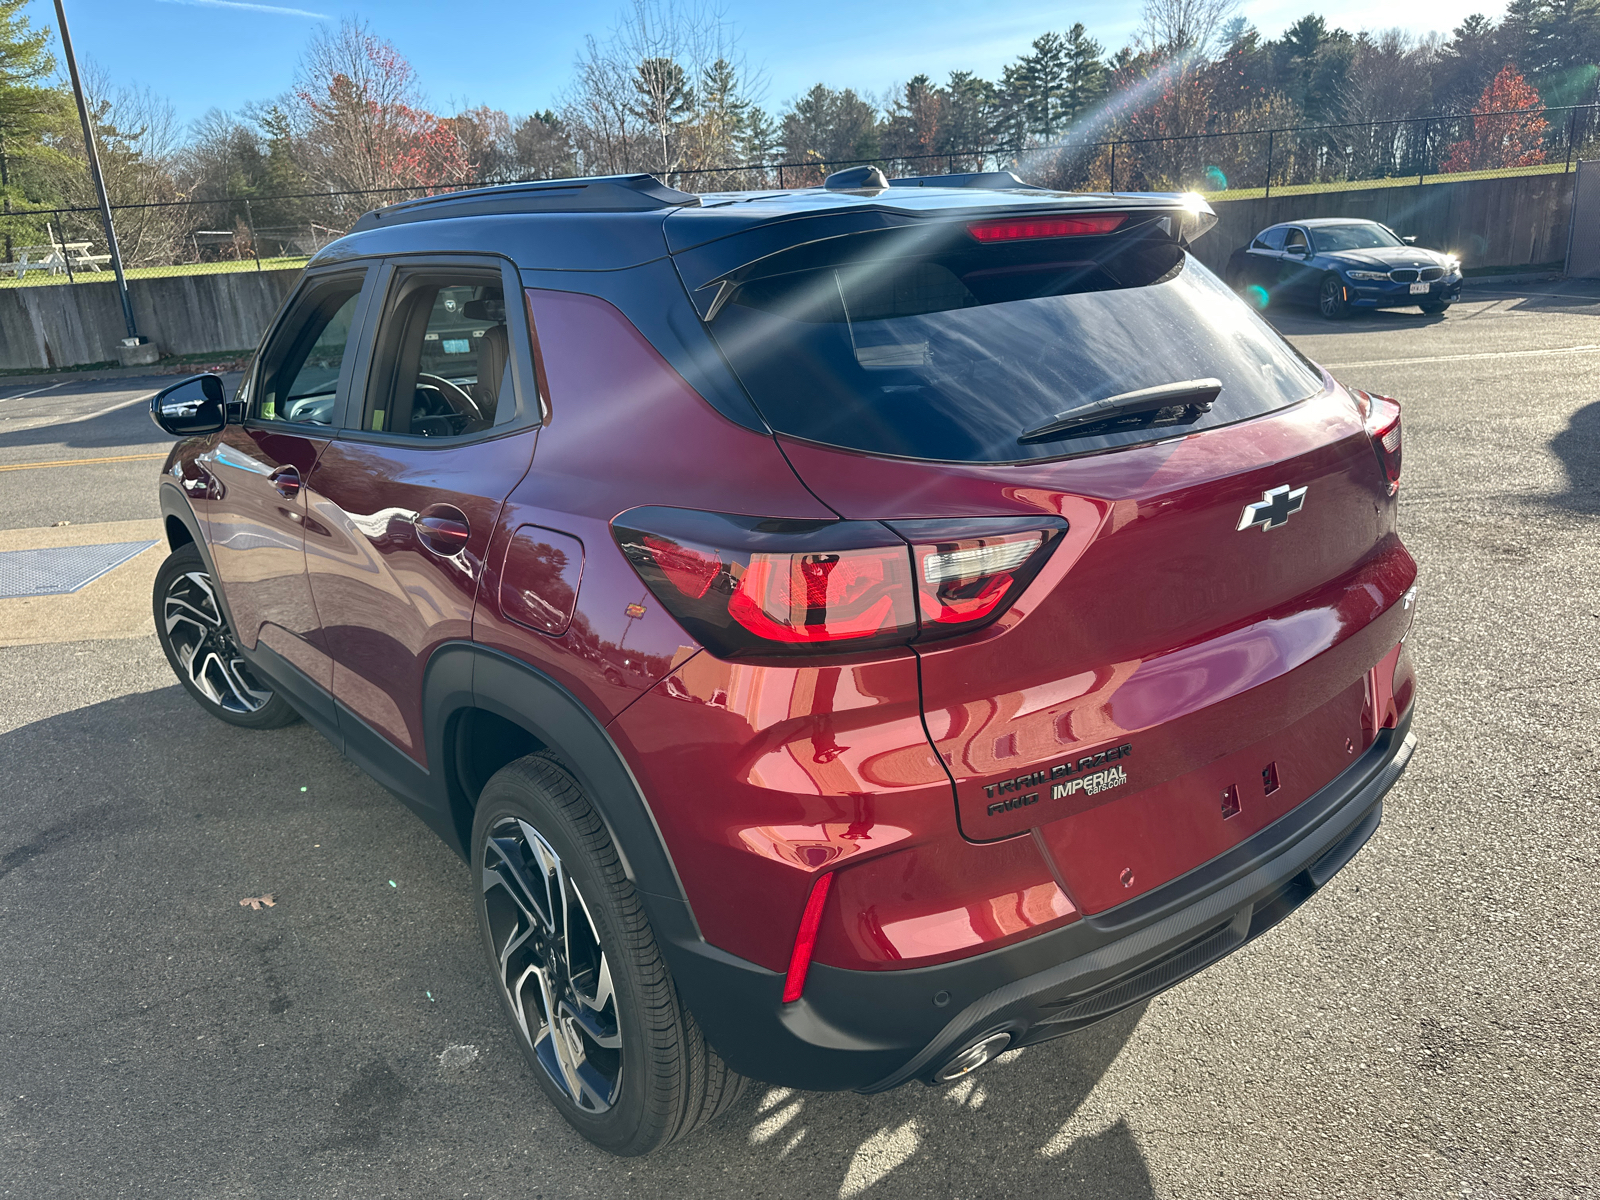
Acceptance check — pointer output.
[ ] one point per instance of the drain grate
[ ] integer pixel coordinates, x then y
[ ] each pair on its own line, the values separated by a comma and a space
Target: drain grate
61, 570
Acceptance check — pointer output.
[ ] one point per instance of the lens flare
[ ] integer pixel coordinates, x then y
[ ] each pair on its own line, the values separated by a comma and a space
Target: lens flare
1216, 181
1257, 295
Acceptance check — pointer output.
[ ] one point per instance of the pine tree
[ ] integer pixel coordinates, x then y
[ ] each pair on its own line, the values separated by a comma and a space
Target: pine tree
721, 114
1044, 73
27, 108
968, 119
663, 100
1085, 74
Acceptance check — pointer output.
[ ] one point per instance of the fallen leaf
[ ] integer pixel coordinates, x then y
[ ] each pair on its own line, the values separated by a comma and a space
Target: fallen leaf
255, 902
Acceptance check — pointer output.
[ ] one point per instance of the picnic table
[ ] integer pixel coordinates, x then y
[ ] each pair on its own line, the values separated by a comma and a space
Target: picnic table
55, 259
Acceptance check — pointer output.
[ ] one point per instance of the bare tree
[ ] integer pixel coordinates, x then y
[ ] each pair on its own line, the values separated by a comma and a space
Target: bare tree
138, 136
666, 91
1185, 28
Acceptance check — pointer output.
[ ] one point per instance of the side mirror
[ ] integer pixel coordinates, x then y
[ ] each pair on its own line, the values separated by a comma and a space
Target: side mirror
191, 407
1410, 241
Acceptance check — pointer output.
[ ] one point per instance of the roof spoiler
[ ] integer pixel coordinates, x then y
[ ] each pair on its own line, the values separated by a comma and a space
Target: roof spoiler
602, 193
994, 180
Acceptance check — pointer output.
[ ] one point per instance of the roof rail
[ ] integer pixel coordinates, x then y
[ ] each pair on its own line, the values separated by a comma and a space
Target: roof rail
994, 180
601, 193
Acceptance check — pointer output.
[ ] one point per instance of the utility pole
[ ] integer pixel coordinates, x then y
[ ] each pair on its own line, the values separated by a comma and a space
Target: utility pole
94, 170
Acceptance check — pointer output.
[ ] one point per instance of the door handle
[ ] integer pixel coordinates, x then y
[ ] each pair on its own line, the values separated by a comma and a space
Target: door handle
287, 481
443, 529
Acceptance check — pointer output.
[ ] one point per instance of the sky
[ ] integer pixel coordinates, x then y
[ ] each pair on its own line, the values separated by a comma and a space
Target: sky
518, 54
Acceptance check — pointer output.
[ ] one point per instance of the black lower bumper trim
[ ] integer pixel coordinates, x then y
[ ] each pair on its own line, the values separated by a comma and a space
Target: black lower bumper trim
874, 1030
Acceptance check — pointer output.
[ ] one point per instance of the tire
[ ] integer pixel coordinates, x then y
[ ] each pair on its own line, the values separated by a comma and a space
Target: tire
1434, 307
202, 651
1330, 298
625, 1063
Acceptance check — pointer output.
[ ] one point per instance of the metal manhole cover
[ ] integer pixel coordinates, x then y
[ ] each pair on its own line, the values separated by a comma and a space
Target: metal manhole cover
59, 571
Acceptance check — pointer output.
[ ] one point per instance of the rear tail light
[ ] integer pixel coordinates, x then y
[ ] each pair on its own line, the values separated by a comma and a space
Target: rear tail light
1381, 416
967, 579
748, 587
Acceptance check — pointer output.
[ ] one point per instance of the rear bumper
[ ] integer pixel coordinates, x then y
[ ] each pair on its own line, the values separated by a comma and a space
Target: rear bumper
874, 1030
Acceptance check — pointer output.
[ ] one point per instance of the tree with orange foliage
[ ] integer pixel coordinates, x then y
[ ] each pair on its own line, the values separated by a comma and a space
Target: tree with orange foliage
1511, 140
360, 119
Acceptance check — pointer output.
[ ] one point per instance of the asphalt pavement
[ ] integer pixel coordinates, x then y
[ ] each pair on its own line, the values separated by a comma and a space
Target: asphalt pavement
1425, 1027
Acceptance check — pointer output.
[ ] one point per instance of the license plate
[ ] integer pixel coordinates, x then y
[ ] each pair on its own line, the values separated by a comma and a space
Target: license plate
1419, 289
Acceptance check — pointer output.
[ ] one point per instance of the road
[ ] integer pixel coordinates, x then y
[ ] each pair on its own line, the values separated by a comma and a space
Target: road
1426, 1027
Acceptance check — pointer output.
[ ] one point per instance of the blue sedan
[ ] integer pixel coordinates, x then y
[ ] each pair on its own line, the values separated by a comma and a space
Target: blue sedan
1340, 265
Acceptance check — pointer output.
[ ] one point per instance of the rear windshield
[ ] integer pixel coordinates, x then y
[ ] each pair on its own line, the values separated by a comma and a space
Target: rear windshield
942, 348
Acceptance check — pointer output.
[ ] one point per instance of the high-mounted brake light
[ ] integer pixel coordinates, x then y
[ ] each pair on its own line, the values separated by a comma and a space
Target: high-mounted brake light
747, 587
1024, 229
1381, 416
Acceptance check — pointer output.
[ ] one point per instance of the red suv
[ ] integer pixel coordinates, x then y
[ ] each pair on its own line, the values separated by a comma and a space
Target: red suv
850, 631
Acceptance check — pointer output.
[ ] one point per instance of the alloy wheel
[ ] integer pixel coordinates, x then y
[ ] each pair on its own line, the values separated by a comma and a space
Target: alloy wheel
204, 647
552, 966
1331, 300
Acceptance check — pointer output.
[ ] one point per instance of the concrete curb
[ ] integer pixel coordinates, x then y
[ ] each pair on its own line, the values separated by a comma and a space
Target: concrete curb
160, 370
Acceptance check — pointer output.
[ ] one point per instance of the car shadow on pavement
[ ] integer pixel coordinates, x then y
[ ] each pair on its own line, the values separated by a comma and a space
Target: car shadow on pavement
127, 425
133, 970
1013, 1129
1578, 448
1293, 322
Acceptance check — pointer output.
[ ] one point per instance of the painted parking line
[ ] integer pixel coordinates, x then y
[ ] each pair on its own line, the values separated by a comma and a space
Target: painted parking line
1439, 358
79, 462
35, 392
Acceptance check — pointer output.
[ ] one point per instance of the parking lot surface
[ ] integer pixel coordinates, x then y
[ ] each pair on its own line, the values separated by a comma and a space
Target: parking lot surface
1426, 1026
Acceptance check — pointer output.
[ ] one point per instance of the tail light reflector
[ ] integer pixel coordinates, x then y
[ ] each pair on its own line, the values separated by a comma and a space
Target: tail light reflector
744, 586
805, 940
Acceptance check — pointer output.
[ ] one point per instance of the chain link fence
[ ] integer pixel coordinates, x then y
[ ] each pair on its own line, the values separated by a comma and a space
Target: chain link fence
43, 247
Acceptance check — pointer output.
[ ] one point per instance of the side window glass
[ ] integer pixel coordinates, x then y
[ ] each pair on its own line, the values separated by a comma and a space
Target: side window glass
1271, 239
1295, 241
443, 367
300, 372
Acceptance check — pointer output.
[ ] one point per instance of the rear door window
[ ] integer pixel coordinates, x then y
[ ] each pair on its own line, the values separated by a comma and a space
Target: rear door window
955, 349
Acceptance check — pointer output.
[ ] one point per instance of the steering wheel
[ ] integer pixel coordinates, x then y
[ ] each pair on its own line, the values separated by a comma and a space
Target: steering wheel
456, 395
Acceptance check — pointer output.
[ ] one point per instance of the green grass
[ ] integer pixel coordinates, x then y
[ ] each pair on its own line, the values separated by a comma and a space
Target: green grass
218, 360
1399, 181
106, 275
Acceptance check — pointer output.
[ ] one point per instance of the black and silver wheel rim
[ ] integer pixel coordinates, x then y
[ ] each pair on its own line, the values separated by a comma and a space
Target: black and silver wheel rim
552, 966
1332, 297
204, 648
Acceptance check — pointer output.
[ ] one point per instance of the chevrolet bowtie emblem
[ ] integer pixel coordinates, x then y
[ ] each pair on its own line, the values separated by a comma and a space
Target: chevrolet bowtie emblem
1274, 508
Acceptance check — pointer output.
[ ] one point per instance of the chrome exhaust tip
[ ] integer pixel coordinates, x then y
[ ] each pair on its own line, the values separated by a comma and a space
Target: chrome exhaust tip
973, 1057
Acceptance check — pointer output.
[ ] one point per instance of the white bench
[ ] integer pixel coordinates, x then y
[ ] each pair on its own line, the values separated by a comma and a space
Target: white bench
55, 259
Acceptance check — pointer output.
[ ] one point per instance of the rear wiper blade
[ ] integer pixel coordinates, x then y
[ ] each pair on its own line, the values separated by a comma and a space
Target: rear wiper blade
1196, 395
